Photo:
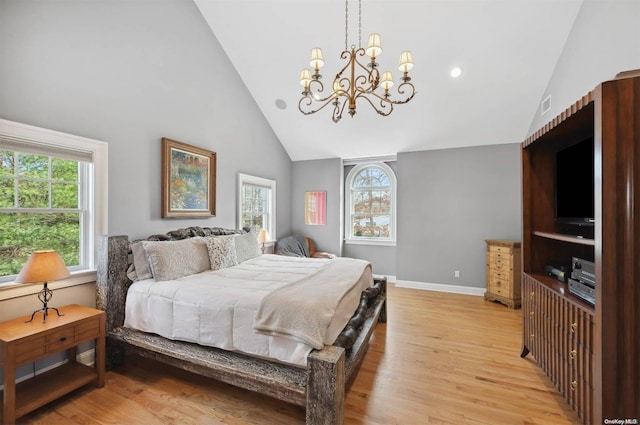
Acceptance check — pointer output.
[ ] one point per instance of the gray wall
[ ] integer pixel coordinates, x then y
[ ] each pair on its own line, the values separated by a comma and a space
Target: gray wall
604, 40
318, 175
128, 74
449, 202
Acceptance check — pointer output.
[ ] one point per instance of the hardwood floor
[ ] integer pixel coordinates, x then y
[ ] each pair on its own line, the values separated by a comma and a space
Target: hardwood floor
440, 359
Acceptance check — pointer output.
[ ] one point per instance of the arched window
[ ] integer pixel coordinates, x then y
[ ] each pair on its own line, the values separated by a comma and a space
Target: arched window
371, 204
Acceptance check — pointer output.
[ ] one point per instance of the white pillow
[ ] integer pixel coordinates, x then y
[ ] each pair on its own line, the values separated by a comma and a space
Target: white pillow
222, 251
247, 247
174, 259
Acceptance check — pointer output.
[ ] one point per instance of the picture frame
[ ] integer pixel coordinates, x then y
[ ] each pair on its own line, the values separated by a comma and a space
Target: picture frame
315, 208
188, 180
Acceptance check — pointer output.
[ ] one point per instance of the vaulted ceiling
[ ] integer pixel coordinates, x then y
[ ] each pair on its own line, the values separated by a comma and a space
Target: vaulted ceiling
507, 50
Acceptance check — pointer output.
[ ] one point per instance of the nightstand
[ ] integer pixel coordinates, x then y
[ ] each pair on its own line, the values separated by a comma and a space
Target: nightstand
22, 343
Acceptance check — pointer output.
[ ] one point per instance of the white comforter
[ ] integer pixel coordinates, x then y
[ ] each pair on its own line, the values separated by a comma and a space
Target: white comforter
218, 308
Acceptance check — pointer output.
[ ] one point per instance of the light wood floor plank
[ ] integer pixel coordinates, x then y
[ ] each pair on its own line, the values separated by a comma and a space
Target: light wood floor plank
440, 359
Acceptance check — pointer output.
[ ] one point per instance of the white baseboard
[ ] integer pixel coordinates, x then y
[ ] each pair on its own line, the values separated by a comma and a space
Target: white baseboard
390, 279
439, 287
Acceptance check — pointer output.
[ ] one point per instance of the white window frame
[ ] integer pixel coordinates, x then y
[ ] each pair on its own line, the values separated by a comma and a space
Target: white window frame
14, 135
271, 200
364, 240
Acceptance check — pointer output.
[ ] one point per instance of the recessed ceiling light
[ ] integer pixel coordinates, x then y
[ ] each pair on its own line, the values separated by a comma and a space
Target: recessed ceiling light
456, 71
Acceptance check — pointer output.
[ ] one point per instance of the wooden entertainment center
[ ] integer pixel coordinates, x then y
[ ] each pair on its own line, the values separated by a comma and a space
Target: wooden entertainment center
591, 353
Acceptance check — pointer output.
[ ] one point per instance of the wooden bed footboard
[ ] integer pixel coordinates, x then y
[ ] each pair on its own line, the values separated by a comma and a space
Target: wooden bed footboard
321, 387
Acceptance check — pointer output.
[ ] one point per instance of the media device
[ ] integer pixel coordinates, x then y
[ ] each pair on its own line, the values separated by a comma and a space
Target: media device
583, 271
574, 184
559, 272
582, 282
582, 291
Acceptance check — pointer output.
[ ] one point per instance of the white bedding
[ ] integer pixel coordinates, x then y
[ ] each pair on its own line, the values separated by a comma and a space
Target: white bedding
217, 308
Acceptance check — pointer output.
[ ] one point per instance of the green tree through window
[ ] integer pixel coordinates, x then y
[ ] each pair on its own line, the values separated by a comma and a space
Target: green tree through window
40, 208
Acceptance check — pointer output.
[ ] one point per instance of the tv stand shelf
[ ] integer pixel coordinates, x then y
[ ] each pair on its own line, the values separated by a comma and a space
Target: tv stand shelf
566, 238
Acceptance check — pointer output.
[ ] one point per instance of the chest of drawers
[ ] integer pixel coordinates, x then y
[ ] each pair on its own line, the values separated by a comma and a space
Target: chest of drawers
503, 272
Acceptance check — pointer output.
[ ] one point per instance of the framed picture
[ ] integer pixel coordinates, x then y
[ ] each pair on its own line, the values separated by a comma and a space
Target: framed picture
188, 180
315, 208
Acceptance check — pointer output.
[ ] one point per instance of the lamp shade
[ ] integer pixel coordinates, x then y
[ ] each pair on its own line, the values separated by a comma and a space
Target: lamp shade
406, 61
305, 77
387, 80
263, 236
374, 47
317, 60
43, 266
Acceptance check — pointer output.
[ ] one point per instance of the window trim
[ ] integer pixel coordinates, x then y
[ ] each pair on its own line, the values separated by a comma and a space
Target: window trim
363, 240
258, 181
49, 142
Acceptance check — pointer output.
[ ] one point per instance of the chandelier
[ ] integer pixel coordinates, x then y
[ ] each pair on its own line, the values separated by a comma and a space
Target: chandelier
355, 80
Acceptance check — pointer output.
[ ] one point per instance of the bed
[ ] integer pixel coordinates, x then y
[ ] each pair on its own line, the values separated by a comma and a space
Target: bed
311, 369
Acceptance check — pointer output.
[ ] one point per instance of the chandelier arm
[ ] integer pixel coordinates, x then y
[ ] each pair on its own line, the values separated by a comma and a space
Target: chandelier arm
306, 101
338, 110
410, 89
314, 94
384, 103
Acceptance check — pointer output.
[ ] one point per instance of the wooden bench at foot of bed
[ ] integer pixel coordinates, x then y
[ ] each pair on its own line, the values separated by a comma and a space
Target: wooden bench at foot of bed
321, 387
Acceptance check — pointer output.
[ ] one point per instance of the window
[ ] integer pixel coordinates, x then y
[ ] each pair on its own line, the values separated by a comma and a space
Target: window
51, 196
257, 204
371, 203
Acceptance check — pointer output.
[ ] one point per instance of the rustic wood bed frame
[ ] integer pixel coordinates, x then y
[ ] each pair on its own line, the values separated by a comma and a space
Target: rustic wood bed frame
321, 387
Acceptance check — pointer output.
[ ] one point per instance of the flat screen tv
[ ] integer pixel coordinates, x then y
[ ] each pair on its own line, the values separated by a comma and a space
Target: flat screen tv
574, 184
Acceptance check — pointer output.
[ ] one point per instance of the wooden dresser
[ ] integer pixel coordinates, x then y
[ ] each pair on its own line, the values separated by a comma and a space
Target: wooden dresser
503, 272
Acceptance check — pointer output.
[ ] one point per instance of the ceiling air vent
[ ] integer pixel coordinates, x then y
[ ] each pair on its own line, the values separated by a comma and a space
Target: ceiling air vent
546, 105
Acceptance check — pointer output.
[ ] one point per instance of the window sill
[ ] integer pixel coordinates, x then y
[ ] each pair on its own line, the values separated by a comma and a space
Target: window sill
369, 242
10, 290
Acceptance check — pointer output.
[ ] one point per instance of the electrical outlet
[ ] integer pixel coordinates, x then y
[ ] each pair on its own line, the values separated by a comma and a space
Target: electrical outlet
456, 273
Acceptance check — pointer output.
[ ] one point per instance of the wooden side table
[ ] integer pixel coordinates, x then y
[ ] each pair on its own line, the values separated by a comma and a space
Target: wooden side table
22, 343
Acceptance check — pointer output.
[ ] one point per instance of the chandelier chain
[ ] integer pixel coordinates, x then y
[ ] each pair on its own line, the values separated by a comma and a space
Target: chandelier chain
359, 23
346, 24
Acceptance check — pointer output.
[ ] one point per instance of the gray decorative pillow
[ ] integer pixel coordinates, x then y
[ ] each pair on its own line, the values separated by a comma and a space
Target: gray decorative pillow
247, 247
174, 259
222, 251
140, 270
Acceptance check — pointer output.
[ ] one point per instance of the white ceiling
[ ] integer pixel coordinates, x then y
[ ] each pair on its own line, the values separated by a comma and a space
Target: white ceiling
508, 50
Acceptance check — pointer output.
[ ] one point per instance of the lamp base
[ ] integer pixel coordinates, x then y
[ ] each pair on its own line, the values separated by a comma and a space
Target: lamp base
44, 296
45, 310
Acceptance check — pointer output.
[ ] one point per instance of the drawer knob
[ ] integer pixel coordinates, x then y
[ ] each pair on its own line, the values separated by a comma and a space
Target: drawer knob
573, 354
574, 326
574, 385
532, 335
532, 294
532, 313
63, 338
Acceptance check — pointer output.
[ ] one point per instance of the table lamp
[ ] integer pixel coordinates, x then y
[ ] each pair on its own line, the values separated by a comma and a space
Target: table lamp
43, 266
263, 236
